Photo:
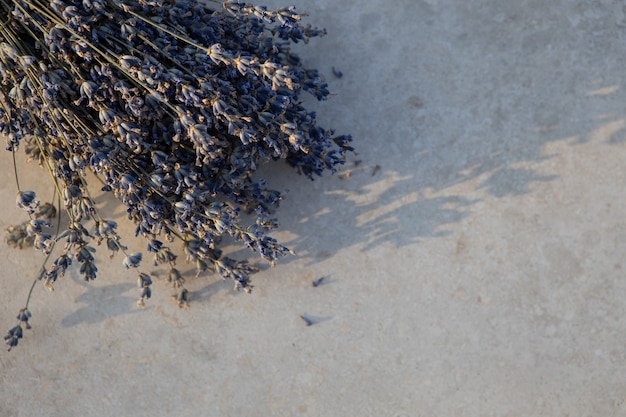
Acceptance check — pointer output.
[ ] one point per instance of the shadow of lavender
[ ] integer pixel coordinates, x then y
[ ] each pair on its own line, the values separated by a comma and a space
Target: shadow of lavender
463, 114
100, 302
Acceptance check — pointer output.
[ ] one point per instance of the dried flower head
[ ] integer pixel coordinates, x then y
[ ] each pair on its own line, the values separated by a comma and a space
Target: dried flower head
13, 336
24, 315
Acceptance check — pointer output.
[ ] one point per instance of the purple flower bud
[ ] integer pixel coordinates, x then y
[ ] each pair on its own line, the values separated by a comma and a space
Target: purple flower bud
26, 200
133, 260
24, 315
13, 335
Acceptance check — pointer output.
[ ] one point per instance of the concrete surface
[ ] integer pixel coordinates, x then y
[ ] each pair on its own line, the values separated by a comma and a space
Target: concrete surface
479, 272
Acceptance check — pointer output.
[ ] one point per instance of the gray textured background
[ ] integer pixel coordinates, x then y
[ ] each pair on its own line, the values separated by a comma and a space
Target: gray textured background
480, 272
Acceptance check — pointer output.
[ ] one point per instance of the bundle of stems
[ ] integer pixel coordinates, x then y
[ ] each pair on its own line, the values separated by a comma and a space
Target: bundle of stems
173, 105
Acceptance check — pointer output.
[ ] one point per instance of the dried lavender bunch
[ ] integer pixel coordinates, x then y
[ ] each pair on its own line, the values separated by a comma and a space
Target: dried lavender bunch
173, 105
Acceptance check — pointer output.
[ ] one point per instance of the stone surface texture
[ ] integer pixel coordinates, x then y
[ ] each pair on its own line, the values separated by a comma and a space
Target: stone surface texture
475, 257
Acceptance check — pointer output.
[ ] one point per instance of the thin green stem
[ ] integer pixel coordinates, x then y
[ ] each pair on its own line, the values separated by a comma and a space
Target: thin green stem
32, 287
17, 181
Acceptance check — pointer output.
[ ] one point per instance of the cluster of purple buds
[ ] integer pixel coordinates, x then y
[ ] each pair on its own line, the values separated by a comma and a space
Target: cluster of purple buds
16, 332
13, 336
174, 106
